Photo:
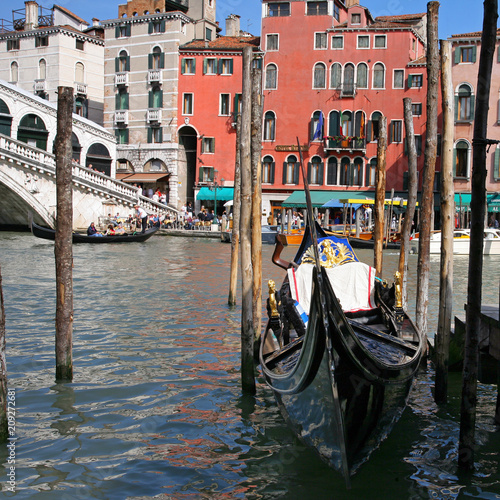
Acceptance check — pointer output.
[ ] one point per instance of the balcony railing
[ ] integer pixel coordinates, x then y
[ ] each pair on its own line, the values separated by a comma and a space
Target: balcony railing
121, 79
154, 75
347, 89
121, 117
40, 85
154, 115
81, 88
351, 143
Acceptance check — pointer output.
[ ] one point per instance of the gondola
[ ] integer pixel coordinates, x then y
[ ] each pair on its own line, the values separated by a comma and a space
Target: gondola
338, 351
50, 234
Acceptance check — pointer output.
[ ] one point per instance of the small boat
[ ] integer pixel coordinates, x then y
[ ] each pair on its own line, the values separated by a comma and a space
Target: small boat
338, 351
461, 242
269, 234
50, 234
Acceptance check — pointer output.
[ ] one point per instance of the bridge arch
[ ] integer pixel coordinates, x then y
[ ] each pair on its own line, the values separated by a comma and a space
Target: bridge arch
98, 156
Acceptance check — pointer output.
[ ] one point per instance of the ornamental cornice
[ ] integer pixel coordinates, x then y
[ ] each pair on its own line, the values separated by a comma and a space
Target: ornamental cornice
158, 16
51, 31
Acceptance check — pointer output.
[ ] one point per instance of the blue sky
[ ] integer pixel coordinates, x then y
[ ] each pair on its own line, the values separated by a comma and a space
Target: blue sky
455, 16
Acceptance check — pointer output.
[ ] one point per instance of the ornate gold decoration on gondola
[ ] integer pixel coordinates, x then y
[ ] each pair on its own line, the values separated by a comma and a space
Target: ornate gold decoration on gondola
331, 254
273, 304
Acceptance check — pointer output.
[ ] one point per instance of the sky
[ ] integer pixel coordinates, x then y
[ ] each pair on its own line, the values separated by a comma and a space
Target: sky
455, 16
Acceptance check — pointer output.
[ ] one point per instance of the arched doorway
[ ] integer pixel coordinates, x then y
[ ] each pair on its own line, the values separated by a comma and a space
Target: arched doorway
188, 144
98, 157
5, 119
32, 131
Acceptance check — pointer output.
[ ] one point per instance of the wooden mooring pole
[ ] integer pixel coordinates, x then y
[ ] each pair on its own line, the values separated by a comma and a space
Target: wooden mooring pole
478, 210
4, 425
63, 247
379, 206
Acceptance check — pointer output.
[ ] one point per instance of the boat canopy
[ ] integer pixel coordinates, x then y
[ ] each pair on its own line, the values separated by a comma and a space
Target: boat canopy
318, 198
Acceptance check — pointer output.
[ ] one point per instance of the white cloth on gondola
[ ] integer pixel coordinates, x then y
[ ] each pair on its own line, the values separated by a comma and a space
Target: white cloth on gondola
353, 284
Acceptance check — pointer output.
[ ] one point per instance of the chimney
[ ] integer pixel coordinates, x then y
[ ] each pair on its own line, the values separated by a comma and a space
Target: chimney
95, 22
31, 21
233, 25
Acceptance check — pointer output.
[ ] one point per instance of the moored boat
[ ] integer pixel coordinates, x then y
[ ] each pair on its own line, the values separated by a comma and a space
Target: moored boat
50, 234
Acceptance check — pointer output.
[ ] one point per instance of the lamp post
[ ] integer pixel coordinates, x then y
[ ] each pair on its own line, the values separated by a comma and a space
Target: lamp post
214, 188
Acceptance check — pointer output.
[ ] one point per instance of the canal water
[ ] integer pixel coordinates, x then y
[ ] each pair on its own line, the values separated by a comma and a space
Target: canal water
156, 410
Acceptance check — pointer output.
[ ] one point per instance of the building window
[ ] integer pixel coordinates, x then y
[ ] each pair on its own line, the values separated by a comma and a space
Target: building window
157, 27
269, 131
374, 127
13, 44
226, 67
415, 81
208, 34
155, 98
156, 59
336, 12
272, 42
334, 124
399, 79
345, 172
396, 132
348, 84
465, 54
378, 76
187, 104
79, 73
461, 163
337, 42
225, 105
121, 100
80, 45
271, 82
464, 104
14, 72
418, 144
237, 105
332, 171
416, 109
41, 41
121, 135
317, 126
319, 79
208, 145
188, 66
380, 42
346, 124
356, 19
278, 9
362, 76
357, 172
320, 41
210, 66
155, 135
268, 170
206, 174
363, 41
123, 31
122, 62
371, 170
315, 171
335, 76
317, 8
42, 69
291, 170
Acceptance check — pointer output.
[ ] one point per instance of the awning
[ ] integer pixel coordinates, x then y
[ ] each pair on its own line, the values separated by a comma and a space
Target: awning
318, 198
493, 201
462, 201
143, 177
223, 194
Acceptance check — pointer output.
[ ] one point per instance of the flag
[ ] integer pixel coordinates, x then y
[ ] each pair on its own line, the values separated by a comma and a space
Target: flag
362, 126
319, 128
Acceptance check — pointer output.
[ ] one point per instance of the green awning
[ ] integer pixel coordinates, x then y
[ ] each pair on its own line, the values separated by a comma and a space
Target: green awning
493, 201
223, 194
462, 200
318, 198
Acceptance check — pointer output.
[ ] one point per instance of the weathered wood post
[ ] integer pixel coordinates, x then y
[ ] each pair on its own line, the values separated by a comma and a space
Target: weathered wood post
247, 330
235, 230
378, 208
447, 220
4, 423
412, 197
429, 168
256, 146
63, 247
478, 207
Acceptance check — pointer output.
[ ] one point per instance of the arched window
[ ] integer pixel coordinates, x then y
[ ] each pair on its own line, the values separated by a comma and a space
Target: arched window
319, 76
357, 172
291, 170
362, 76
269, 126
317, 126
360, 126
14, 72
345, 171
335, 76
156, 98
123, 62
348, 87
32, 131
370, 173
271, 77
378, 76
373, 128
42, 69
334, 123
332, 171
462, 159
464, 104
157, 58
268, 170
80, 107
79, 73
315, 171
346, 124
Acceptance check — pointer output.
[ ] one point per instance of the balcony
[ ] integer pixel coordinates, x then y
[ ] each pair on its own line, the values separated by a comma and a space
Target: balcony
40, 85
155, 76
347, 90
121, 79
81, 88
345, 143
154, 115
121, 117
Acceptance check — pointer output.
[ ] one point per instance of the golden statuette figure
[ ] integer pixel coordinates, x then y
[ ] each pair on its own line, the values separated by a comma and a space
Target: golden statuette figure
272, 299
398, 282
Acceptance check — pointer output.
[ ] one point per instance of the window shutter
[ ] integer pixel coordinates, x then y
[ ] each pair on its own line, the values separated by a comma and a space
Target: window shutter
334, 123
150, 61
474, 52
127, 64
369, 131
150, 135
117, 32
458, 52
125, 136
309, 172
219, 67
284, 172
183, 66
271, 173
125, 104
117, 101
350, 170
117, 64
162, 60
160, 135
129, 29
321, 173
205, 65
162, 26
454, 162
405, 180
150, 99
391, 132
161, 99
296, 173
150, 28
410, 79
496, 168
456, 108
194, 65
472, 107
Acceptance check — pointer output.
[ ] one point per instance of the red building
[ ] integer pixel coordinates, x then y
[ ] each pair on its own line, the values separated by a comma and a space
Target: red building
330, 71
